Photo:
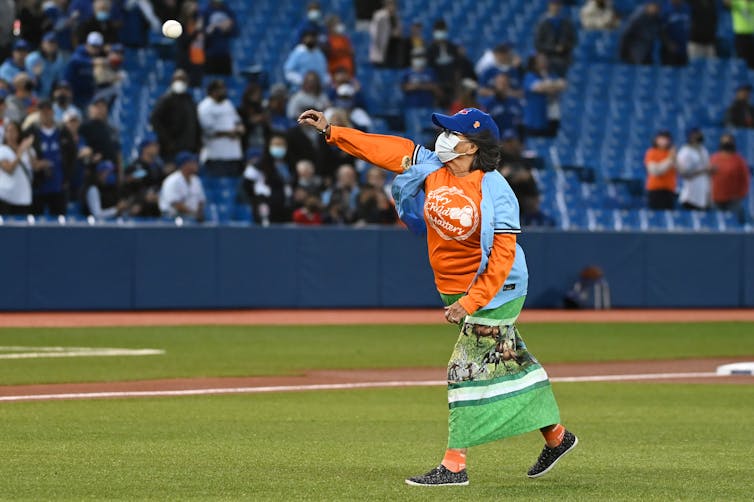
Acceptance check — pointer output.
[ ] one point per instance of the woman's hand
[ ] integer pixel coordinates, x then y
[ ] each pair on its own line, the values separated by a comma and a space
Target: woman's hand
314, 119
455, 313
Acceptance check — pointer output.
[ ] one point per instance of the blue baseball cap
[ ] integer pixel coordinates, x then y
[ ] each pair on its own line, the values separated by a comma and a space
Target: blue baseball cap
185, 157
467, 121
21, 45
105, 165
49, 37
149, 138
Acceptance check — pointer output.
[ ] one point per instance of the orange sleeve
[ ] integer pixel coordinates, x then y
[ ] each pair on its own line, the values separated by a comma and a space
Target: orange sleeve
388, 152
492, 279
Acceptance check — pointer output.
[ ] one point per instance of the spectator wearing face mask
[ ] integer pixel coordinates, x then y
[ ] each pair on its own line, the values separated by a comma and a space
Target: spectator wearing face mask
101, 199
306, 57
340, 54
313, 24
62, 100
695, 170
419, 85
447, 61
660, 162
730, 179
80, 70
46, 65
220, 28
268, 184
102, 22
222, 131
175, 120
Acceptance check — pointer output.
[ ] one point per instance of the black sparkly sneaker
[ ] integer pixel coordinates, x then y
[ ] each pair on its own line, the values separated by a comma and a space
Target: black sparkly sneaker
440, 476
550, 456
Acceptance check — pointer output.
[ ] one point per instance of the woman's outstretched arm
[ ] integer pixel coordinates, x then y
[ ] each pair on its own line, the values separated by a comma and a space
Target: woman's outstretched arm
388, 152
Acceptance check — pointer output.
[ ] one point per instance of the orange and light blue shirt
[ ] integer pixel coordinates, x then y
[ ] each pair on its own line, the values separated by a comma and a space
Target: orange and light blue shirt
471, 222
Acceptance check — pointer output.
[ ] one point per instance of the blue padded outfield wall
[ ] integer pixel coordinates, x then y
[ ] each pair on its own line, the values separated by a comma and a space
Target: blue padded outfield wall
158, 267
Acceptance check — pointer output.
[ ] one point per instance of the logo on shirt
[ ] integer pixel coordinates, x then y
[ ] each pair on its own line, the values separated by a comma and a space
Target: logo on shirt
451, 213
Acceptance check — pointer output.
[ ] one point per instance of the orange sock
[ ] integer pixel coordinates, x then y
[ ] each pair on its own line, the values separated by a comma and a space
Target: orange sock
454, 460
553, 435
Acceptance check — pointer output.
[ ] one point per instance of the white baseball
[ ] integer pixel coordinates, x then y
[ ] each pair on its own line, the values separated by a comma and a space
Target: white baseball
172, 28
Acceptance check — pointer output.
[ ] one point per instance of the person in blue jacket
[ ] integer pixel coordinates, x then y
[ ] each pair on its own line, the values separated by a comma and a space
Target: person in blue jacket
80, 70
46, 64
676, 28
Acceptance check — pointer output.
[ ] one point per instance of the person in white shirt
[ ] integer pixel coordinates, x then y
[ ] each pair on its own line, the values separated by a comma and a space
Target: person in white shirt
222, 130
16, 171
182, 193
695, 170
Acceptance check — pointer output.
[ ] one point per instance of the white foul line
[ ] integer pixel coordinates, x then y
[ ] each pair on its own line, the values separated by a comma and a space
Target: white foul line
333, 386
16, 352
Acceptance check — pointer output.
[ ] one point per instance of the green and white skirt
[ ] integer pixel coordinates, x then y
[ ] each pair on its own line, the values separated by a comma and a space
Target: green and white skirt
496, 387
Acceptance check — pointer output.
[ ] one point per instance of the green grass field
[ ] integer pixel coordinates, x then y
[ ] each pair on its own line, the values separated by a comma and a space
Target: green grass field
638, 441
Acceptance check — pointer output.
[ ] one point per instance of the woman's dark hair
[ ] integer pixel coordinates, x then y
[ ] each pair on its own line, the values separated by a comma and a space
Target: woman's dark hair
487, 157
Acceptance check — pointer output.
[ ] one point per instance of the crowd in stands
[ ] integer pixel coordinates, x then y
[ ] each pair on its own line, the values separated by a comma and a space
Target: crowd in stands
62, 73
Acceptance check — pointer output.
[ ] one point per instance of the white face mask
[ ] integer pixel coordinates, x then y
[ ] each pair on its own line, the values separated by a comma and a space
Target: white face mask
445, 147
179, 87
340, 28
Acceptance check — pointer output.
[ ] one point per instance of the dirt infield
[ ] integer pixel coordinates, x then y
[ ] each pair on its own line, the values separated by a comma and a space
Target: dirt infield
355, 316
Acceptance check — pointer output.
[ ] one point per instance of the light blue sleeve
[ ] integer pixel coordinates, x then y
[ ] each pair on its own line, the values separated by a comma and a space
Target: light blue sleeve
506, 206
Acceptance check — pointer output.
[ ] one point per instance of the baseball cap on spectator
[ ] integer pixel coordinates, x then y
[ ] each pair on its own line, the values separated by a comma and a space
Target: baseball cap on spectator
50, 37
71, 114
149, 139
105, 165
467, 121
21, 45
95, 38
184, 157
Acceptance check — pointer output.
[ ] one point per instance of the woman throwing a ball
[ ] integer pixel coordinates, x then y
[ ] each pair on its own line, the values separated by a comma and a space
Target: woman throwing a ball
496, 387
